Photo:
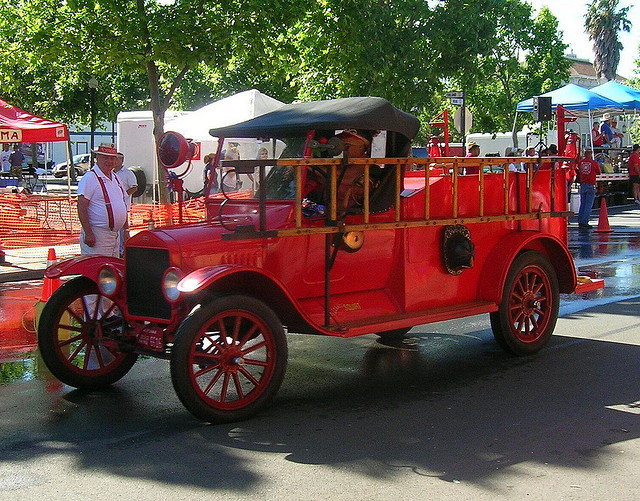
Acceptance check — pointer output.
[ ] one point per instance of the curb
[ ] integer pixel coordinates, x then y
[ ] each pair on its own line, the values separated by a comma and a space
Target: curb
21, 276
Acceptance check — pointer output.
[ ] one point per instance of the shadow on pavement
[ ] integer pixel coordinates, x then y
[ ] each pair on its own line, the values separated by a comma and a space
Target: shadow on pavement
449, 406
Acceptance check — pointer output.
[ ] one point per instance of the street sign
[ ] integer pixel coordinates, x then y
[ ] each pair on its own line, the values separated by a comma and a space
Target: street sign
455, 93
457, 101
468, 119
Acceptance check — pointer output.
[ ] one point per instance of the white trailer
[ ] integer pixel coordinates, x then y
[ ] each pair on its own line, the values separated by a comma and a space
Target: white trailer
138, 145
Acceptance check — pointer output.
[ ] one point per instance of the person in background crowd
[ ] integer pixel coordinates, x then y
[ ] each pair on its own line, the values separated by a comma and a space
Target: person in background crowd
616, 142
473, 150
102, 206
210, 174
634, 172
513, 152
5, 166
230, 180
129, 184
605, 129
597, 137
15, 160
588, 169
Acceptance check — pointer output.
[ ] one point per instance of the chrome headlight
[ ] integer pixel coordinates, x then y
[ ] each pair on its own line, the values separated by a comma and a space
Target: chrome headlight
108, 281
170, 284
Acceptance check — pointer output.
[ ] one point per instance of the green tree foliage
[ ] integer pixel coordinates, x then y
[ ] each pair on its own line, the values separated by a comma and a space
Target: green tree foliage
603, 24
525, 57
185, 53
361, 47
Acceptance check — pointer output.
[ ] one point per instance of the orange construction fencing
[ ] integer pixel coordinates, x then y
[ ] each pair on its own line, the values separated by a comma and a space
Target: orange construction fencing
41, 220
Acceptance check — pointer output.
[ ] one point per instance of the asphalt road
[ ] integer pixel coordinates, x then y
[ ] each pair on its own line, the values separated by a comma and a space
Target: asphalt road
451, 417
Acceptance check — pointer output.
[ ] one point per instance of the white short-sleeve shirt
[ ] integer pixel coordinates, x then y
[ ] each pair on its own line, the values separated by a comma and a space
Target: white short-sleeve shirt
127, 180
89, 187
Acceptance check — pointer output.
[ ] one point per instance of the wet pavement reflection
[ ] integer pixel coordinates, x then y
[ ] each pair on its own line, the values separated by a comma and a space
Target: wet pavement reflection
612, 256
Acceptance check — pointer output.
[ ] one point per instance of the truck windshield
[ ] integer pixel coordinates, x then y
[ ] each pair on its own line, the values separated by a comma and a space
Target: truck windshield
280, 181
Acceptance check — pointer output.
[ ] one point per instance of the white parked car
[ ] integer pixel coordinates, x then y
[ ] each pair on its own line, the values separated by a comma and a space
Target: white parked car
81, 162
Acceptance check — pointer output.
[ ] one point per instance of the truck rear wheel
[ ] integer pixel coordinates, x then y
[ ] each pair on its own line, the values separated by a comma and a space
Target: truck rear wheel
229, 359
529, 306
77, 336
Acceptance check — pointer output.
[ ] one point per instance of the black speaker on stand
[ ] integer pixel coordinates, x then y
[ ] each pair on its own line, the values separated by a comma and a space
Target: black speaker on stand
541, 108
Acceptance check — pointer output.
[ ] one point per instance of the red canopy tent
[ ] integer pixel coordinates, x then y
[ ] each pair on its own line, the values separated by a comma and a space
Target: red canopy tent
18, 126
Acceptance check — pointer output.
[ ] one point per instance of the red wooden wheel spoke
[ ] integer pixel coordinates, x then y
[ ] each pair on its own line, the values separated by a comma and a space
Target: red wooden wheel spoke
236, 381
213, 341
87, 312
70, 340
248, 335
77, 351
519, 326
236, 330
534, 322
74, 315
519, 317
207, 358
203, 371
70, 328
213, 382
223, 331
113, 351
225, 387
260, 363
109, 310
87, 355
253, 348
249, 376
98, 352
537, 288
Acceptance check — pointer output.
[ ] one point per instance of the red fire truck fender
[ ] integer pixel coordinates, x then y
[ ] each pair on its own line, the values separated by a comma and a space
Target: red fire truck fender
88, 266
496, 267
254, 282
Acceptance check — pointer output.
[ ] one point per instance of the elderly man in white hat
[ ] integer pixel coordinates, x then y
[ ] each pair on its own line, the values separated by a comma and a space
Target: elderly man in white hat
102, 207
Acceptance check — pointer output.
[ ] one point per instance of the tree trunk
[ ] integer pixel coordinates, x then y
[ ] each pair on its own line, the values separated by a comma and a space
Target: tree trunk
158, 109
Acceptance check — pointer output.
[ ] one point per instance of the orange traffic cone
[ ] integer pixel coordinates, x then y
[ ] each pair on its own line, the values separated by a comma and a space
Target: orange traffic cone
50, 284
603, 220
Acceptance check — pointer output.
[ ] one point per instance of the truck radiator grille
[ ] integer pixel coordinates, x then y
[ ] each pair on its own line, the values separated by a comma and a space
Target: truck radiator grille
145, 268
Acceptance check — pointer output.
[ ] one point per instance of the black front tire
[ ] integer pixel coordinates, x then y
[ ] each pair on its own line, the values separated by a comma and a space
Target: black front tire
77, 341
229, 359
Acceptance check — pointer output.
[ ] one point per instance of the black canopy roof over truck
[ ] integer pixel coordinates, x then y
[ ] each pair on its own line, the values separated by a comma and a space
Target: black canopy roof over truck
369, 113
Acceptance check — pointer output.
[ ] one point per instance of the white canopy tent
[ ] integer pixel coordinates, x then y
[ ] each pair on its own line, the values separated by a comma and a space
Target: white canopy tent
228, 111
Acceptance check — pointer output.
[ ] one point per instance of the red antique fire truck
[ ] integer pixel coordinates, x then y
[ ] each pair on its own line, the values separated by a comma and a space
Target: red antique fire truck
331, 243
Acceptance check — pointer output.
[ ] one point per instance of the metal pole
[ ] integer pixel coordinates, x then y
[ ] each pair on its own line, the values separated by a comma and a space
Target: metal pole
462, 122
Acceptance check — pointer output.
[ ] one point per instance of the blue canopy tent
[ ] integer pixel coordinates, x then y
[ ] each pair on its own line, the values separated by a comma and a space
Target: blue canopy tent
572, 97
628, 97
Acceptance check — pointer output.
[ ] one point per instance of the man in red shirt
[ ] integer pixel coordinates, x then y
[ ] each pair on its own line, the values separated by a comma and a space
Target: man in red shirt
634, 172
588, 169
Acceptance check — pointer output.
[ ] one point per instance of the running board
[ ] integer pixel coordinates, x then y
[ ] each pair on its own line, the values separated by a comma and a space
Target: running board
403, 320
